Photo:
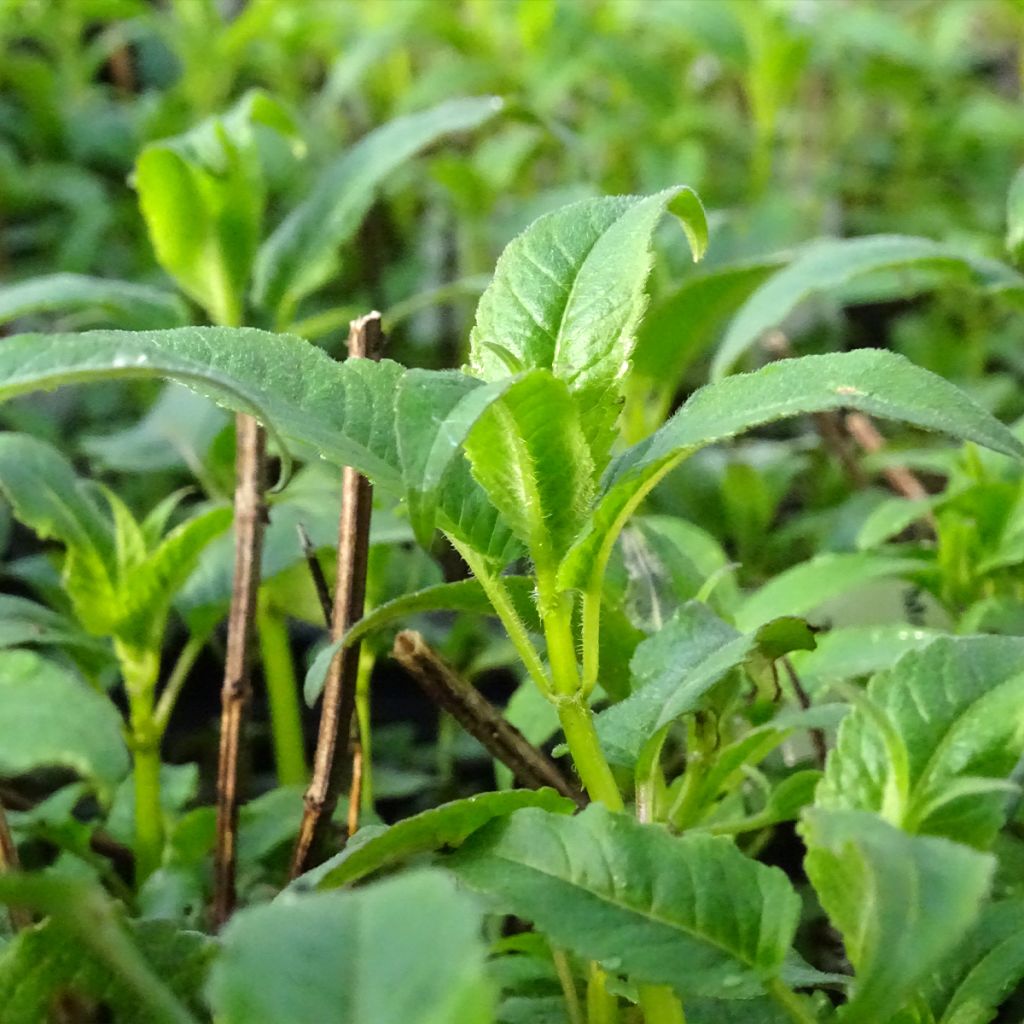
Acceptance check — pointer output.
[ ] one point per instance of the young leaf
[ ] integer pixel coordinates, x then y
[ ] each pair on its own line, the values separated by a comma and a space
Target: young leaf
828, 266
673, 669
48, 717
345, 410
302, 253
901, 902
202, 197
445, 827
957, 705
530, 455
271, 968
869, 380
106, 302
568, 294
46, 495
690, 912
23, 622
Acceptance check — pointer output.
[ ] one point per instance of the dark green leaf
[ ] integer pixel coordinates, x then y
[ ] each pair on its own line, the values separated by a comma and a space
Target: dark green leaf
691, 912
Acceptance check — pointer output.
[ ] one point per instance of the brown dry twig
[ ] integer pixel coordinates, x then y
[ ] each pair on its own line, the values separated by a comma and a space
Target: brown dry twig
250, 518
450, 692
365, 341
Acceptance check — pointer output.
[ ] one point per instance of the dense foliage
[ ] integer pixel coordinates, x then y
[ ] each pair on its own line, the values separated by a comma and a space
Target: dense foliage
704, 545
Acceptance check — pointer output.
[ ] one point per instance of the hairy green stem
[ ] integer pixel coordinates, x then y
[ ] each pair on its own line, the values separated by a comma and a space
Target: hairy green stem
591, 637
367, 659
283, 696
578, 726
498, 595
660, 1005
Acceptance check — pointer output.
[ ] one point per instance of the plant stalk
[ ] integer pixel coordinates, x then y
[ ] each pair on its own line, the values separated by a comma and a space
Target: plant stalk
365, 341
250, 517
789, 1001
573, 1006
578, 726
19, 916
478, 717
660, 1005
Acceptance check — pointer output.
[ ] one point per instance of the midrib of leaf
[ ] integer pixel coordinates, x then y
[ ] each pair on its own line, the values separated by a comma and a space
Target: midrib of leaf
668, 923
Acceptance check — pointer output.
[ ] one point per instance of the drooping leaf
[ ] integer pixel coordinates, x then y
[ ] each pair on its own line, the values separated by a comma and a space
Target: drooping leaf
901, 902
271, 968
801, 588
48, 717
104, 301
830, 265
957, 706
444, 827
568, 294
345, 410
302, 253
873, 381
691, 912
674, 668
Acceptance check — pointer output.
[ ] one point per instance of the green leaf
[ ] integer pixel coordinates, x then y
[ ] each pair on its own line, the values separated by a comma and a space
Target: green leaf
676, 667
691, 912
382, 944
202, 197
830, 265
302, 253
24, 622
46, 495
802, 588
968, 985
140, 969
102, 300
870, 380
345, 410
44, 962
530, 455
446, 826
568, 295
460, 596
48, 717
844, 654
958, 707
901, 902
681, 327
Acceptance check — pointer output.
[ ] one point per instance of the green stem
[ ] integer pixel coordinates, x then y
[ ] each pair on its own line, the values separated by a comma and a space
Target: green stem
602, 1005
789, 1001
660, 1005
140, 670
578, 726
563, 969
366, 662
565, 674
501, 602
283, 695
591, 636
176, 680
